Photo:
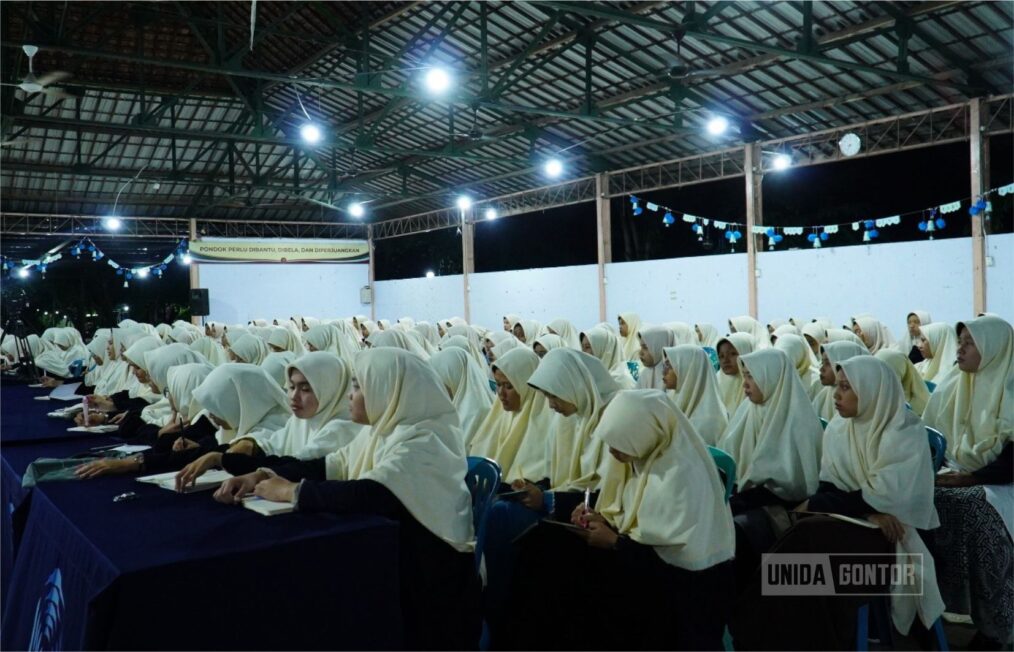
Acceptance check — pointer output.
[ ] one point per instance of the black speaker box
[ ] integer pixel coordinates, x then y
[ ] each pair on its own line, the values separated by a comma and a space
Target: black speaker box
199, 302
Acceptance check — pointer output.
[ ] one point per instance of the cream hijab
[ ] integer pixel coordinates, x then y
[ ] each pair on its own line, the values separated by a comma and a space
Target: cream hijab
943, 344
505, 346
530, 329
566, 331
398, 340
799, 353
276, 364
730, 388
836, 352
413, 445
135, 355
286, 340
682, 333
708, 335
181, 382
776, 444
752, 327
844, 335
882, 452
696, 393
210, 349
605, 346
975, 411
670, 497
517, 440
157, 363
906, 342
246, 398
468, 385
575, 457
631, 344
878, 335
329, 428
472, 337
912, 383
550, 342
656, 338
429, 333
249, 349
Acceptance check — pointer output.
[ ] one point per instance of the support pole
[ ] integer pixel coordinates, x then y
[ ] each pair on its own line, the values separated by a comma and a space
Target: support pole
603, 226
979, 161
467, 258
754, 217
373, 273
195, 270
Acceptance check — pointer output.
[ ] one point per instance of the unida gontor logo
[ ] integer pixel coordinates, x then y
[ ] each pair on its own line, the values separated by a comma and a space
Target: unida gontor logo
47, 629
841, 574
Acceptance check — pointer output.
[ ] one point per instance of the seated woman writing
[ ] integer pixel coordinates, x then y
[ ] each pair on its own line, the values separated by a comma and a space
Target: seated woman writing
408, 465
650, 567
137, 395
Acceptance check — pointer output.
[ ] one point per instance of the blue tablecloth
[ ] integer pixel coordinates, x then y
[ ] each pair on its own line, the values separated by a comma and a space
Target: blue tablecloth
24, 420
170, 571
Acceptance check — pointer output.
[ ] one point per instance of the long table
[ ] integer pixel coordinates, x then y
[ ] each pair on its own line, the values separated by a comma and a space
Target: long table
171, 571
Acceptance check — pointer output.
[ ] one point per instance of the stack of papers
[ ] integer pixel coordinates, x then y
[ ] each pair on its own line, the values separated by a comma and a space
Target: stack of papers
209, 480
67, 412
65, 392
267, 507
108, 427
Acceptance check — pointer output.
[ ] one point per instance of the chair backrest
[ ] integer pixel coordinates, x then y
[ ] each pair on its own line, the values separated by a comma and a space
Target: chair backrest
713, 356
823, 423
634, 369
727, 466
930, 386
938, 446
492, 385
482, 479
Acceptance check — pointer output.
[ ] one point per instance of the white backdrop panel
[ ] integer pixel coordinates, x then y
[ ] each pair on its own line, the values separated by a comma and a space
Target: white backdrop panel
423, 299
241, 292
701, 289
1000, 277
542, 294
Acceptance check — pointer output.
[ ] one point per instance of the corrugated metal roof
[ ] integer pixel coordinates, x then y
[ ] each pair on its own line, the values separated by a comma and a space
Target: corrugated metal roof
132, 58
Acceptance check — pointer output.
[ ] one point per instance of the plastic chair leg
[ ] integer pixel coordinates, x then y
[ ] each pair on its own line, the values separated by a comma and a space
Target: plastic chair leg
863, 628
940, 636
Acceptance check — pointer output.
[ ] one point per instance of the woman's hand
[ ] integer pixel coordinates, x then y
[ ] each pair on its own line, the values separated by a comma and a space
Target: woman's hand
534, 498
100, 403
243, 447
173, 426
182, 444
106, 467
803, 506
196, 469
956, 480
277, 488
600, 535
50, 382
94, 419
889, 525
583, 517
234, 490
118, 419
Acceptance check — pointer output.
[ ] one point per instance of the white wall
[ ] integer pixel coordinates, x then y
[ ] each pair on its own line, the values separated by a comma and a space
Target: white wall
700, 289
241, 292
426, 299
542, 294
1000, 276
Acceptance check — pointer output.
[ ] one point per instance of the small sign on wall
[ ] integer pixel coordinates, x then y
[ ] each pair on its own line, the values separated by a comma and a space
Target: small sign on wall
366, 295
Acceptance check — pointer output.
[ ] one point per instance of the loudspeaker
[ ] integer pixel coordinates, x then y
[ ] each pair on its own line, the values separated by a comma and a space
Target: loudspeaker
199, 302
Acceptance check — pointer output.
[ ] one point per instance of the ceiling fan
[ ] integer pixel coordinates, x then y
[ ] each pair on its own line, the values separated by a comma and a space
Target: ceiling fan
474, 134
44, 84
15, 142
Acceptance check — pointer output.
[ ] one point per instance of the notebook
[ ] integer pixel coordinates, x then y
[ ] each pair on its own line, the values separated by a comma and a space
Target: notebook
862, 522
109, 427
210, 480
267, 507
65, 392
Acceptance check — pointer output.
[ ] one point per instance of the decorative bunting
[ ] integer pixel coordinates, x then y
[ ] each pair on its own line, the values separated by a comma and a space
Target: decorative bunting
86, 245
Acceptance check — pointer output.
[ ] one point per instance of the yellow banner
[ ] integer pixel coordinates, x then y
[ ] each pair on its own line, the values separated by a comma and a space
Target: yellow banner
279, 251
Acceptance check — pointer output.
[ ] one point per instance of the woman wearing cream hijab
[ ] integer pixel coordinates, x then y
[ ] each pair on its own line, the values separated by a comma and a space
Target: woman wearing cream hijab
137, 394
653, 340
753, 328
974, 409
543, 344
939, 347
509, 320
407, 465
774, 436
527, 330
467, 386
659, 544
397, 340
914, 323
707, 335
916, 394
248, 348
729, 375
843, 335
816, 336
430, 334
694, 389
503, 347
875, 466
629, 324
282, 339
682, 333
276, 364
873, 333
832, 355
66, 352
799, 353
605, 345
566, 331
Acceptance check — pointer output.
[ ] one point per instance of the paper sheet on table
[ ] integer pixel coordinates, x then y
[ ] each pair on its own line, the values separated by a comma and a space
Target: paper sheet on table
65, 392
209, 480
103, 428
130, 449
267, 507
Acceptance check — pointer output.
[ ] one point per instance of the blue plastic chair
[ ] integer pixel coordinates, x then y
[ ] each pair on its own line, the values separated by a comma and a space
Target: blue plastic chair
633, 369
938, 446
930, 386
727, 466
883, 627
492, 385
483, 479
713, 356
823, 423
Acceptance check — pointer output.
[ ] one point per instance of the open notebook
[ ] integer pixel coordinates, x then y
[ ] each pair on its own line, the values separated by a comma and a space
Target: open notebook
210, 480
267, 507
862, 522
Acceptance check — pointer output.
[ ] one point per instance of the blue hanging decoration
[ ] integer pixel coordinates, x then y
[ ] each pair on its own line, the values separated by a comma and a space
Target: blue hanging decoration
733, 237
940, 223
668, 219
119, 272
637, 210
978, 208
699, 230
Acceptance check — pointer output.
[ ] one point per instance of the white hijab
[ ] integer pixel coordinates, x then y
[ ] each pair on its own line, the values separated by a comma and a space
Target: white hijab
182, 381
397, 340
631, 344
135, 355
329, 428
730, 388
605, 346
696, 393
670, 497
882, 452
708, 335
413, 445
912, 383
246, 398
574, 456
210, 349
468, 386
836, 352
906, 342
776, 444
875, 336
943, 344
753, 328
517, 441
656, 338
800, 354
286, 340
276, 364
975, 411
249, 349
566, 331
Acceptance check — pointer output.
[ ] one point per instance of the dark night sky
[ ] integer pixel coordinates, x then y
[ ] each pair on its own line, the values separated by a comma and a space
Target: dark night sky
840, 192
